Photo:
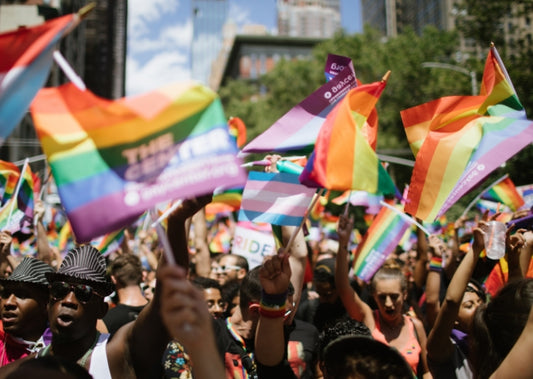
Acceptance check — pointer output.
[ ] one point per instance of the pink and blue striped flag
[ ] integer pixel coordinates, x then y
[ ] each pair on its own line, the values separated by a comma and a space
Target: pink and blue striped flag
24, 67
297, 130
275, 198
113, 159
384, 234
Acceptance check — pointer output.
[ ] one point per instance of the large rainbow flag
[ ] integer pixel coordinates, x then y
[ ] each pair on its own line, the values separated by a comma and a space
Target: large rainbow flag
112, 160
384, 234
506, 193
343, 158
459, 140
297, 130
26, 61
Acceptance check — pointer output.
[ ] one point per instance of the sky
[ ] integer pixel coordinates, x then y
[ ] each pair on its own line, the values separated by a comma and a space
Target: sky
160, 33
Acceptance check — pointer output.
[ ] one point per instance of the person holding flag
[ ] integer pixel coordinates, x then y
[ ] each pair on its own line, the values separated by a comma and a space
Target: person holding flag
387, 324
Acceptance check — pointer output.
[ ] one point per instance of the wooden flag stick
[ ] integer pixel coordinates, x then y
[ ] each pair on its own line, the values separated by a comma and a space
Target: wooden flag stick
295, 232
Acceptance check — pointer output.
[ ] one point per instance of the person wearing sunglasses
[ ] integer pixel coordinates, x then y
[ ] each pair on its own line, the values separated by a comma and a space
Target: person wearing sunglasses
24, 296
76, 302
231, 268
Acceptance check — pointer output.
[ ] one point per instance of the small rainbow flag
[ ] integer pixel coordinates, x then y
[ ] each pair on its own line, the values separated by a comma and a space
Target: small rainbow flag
9, 176
113, 159
24, 67
505, 192
343, 158
384, 234
110, 242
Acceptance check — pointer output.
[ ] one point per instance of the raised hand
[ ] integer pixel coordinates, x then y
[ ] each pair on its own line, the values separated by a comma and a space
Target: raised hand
275, 274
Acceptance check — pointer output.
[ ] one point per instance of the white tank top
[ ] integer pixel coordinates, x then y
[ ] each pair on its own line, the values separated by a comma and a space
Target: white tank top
99, 367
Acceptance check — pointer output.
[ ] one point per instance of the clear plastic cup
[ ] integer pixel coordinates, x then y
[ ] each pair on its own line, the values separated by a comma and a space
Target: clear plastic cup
495, 239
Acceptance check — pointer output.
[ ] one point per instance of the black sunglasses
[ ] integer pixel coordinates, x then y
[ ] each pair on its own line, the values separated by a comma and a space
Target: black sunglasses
83, 292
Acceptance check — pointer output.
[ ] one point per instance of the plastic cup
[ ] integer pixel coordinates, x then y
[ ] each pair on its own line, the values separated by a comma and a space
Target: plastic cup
495, 239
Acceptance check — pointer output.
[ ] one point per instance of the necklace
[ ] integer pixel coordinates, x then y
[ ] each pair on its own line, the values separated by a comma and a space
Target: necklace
83, 360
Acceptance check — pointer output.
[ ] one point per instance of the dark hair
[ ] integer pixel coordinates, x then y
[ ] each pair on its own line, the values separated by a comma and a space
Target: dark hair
250, 289
344, 327
229, 291
127, 270
363, 357
205, 283
389, 270
324, 271
498, 324
240, 261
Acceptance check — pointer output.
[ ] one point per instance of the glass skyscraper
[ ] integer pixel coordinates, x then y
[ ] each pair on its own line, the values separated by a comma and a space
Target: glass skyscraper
209, 16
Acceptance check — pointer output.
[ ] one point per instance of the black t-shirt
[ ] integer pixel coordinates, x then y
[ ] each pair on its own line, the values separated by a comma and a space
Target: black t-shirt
119, 316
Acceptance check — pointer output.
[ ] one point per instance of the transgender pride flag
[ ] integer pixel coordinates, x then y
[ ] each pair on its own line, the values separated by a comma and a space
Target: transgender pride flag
275, 198
24, 67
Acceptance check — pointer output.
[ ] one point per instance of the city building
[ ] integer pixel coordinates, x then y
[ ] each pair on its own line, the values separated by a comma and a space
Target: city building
96, 50
308, 18
209, 17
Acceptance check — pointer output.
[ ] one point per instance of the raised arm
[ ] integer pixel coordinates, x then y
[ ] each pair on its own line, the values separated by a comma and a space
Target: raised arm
518, 363
143, 342
433, 281
275, 275
187, 319
439, 345
356, 308
420, 271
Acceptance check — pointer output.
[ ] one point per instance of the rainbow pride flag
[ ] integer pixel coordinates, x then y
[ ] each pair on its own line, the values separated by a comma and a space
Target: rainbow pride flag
17, 213
26, 61
343, 158
460, 140
9, 176
505, 192
526, 191
237, 130
384, 234
110, 242
360, 198
275, 198
113, 159
231, 197
297, 130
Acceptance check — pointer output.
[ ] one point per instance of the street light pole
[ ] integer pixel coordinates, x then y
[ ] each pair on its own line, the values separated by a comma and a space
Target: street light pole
462, 70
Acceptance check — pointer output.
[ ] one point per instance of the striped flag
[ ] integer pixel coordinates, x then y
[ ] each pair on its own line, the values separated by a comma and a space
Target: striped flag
343, 158
9, 176
110, 242
460, 140
297, 130
526, 191
504, 192
275, 198
17, 214
26, 61
113, 159
380, 240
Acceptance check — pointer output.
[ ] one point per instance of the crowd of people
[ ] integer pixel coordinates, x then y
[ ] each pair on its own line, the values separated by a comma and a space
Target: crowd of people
300, 314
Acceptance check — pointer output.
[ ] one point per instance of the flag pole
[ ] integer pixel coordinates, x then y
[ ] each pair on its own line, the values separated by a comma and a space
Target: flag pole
348, 204
17, 190
407, 218
295, 232
167, 213
163, 240
482, 193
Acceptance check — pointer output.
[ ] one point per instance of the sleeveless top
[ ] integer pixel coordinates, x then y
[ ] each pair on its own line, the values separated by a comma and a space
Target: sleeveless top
410, 350
99, 368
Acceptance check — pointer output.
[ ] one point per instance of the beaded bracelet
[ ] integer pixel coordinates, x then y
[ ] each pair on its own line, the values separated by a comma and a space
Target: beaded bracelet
435, 264
272, 306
